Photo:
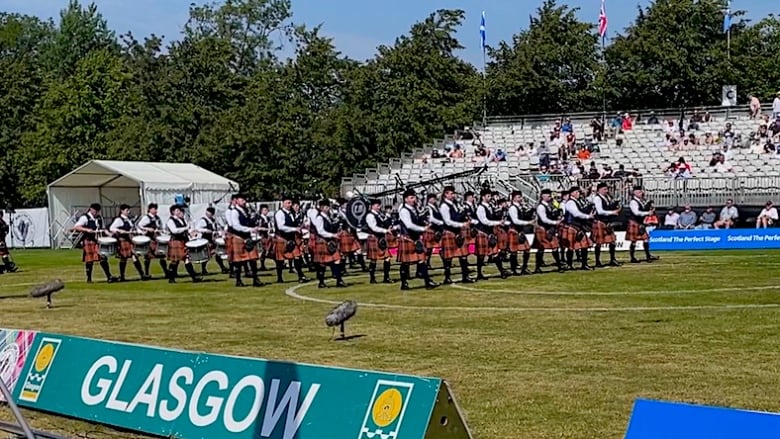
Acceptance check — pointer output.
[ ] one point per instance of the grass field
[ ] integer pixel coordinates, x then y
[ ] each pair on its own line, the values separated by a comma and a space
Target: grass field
544, 356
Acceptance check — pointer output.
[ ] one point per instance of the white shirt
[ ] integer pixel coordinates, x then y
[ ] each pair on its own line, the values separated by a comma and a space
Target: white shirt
319, 225
770, 213
482, 211
118, 223
311, 214
571, 207
231, 216
446, 215
599, 203
514, 215
671, 219
236, 224
174, 229
372, 225
279, 217
202, 225
634, 206
541, 213
406, 218
84, 219
145, 221
729, 213
432, 219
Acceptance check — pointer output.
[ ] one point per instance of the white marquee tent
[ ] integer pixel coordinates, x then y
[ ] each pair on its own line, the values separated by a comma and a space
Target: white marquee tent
137, 184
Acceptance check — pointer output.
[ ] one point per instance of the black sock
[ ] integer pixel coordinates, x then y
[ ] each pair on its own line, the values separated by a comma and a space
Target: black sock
372, 270
336, 270
539, 259
253, 270
203, 267
361, 261
569, 257
88, 269
164, 266
122, 268
526, 257
422, 267
513, 262
598, 254
584, 257
612, 249
557, 259
447, 263
499, 260
279, 271
403, 270
632, 250
147, 266
386, 269
298, 263
647, 249
173, 270
320, 269
106, 269
480, 264
220, 263
138, 268
464, 268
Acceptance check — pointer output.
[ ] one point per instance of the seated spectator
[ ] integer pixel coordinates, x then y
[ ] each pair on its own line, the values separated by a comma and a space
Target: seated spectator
499, 155
707, 118
627, 123
767, 217
671, 219
567, 127
620, 173
687, 220
597, 125
652, 119
683, 169
593, 173
709, 139
728, 216
775, 127
707, 219
776, 107
457, 152
583, 154
521, 152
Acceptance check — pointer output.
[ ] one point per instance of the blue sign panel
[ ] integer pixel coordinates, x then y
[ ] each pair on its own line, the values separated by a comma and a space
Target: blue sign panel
715, 239
670, 420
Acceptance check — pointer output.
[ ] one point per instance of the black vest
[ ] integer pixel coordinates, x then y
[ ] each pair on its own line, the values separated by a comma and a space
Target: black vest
456, 215
415, 218
489, 214
436, 214
552, 214
93, 224
582, 204
608, 204
245, 221
211, 226
643, 207
469, 211
289, 221
522, 214
381, 222
126, 226
328, 225
183, 236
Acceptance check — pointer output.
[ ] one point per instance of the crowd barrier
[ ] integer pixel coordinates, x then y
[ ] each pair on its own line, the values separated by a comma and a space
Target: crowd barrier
173, 393
715, 239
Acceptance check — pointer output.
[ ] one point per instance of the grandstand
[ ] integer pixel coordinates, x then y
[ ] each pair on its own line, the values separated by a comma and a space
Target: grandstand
750, 176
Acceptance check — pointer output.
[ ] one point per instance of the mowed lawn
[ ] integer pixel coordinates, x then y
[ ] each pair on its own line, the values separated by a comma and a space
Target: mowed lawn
543, 356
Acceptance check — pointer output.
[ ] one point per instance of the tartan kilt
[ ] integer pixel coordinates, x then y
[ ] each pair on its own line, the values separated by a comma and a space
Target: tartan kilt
280, 254
91, 252
152, 253
502, 238
373, 252
177, 251
429, 239
392, 240
602, 234
229, 246
516, 243
3, 248
238, 251
482, 247
636, 232
543, 241
320, 254
347, 242
570, 241
449, 247
124, 249
406, 253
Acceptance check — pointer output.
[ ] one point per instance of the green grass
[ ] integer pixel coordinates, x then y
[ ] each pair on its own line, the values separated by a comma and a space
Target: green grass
546, 365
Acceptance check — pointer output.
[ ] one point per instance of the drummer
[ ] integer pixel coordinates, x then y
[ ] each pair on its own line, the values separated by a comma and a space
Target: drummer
91, 226
151, 226
207, 227
122, 229
177, 249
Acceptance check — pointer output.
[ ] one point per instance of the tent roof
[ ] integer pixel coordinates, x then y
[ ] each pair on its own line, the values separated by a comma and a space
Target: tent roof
175, 176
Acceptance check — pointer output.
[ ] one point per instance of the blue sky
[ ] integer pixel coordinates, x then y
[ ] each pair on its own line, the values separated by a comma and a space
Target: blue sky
358, 27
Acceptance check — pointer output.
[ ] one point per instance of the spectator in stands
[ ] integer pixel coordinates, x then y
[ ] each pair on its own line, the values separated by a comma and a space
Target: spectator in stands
620, 173
583, 153
687, 220
671, 219
627, 123
695, 121
775, 127
707, 118
755, 106
597, 126
776, 107
607, 172
521, 152
728, 216
457, 152
767, 217
499, 155
707, 219
652, 119
593, 173
708, 138
567, 127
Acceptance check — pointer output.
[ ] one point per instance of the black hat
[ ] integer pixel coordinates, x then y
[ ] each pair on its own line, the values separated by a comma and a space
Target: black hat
574, 189
239, 196
601, 186
324, 202
448, 189
517, 194
174, 208
211, 210
152, 206
468, 194
565, 192
638, 188
376, 202
431, 197
546, 192
123, 207
484, 192
341, 200
286, 197
410, 193
95, 207
502, 201
233, 197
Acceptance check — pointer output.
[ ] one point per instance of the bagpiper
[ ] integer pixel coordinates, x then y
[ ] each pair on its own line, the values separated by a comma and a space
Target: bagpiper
520, 218
380, 230
411, 249
326, 248
486, 242
607, 211
578, 221
546, 232
635, 229
286, 246
455, 236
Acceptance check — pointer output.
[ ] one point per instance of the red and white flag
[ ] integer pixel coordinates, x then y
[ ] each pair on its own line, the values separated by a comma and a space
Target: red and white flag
603, 20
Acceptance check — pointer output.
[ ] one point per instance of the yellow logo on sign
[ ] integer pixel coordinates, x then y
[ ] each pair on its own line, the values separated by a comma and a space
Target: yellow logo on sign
44, 357
387, 407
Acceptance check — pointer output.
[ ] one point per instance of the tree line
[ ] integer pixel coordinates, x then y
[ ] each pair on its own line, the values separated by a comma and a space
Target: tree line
221, 95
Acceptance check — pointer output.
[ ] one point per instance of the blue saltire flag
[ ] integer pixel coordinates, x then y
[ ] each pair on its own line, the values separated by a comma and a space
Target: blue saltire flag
727, 19
482, 30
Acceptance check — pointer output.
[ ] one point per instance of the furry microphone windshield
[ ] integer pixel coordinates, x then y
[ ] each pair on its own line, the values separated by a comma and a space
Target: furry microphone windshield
47, 290
340, 314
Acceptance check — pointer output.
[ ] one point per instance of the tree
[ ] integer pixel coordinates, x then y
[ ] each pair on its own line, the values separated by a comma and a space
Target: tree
549, 67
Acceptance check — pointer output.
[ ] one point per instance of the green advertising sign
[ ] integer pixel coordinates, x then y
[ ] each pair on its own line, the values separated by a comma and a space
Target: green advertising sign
197, 395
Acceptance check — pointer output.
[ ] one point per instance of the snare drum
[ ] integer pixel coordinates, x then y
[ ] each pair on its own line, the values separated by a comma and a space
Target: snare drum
162, 245
198, 250
221, 249
141, 245
106, 246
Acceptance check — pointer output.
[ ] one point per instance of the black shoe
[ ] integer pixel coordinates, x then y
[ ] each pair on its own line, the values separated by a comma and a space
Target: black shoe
538, 271
635, 261
405, 287
467, 280
652, 258
418, 275
505, 274
171, 280
197, 279
322, 285
239, 283
303, 280
340, 284
525, 272
112, 279
204, 273
387, 280
146, 277
373, 281
122, 279
614, 263
257, 283
586, 267
601, 265
481, 277
431, 285
447, 281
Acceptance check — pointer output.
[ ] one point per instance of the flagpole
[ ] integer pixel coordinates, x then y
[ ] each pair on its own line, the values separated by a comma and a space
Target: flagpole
483, 43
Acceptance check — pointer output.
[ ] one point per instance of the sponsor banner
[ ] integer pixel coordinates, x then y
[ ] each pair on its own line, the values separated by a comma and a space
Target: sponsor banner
14, 350
672, 420
196, 395
715, 239
28, 228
